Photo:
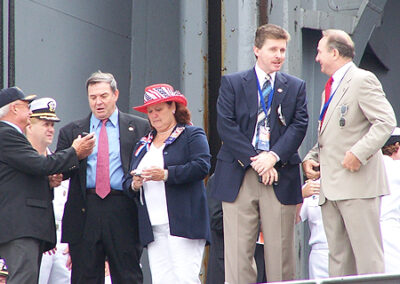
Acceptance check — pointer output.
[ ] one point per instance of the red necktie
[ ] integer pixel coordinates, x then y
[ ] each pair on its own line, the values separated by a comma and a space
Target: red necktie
103, 163
328, 88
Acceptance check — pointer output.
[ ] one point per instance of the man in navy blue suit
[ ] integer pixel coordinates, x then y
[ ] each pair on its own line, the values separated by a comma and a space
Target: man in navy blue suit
262, 120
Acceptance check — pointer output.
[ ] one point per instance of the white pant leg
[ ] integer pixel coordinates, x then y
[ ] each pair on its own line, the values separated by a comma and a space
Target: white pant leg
59, 273
45, 268
174, 259
187, 255
318, 264
391, 246
159, 259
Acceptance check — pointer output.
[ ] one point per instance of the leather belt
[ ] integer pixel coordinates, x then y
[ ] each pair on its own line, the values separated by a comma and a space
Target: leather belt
112, 192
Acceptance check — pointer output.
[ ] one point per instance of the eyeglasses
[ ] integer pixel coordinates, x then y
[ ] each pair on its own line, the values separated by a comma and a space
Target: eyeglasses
23, 104
343, 111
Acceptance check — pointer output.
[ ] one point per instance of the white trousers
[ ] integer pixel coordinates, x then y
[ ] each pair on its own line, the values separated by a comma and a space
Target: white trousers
174, 259
391, 244
318, 263
53, 268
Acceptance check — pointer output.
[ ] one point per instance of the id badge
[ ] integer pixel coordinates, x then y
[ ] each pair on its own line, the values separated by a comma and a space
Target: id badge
264, 137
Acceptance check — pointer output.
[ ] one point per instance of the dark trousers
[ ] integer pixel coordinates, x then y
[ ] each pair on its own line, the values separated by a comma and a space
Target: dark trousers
23, 257
111, 232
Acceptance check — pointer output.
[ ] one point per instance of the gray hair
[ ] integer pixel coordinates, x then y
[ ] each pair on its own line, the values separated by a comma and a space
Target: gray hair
98, 77
4, 110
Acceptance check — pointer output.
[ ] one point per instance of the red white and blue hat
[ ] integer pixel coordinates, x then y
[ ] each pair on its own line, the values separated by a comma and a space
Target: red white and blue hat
160, 93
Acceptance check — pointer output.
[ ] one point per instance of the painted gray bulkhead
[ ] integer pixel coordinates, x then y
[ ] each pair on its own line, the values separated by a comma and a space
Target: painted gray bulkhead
58, 44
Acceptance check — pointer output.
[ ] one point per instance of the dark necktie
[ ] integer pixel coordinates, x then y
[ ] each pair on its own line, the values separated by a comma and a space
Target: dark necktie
266, 90
103, 163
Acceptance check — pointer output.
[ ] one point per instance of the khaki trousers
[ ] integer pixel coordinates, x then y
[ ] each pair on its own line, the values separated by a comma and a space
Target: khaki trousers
257, 202
354, 237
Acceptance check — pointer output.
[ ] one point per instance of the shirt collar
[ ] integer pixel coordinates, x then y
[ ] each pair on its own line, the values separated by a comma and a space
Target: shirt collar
13, 125
95, 122
261, 75
339, 74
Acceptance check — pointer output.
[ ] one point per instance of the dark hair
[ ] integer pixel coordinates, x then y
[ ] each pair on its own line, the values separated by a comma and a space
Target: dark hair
182, 113
390, 149
337, 39
269, 31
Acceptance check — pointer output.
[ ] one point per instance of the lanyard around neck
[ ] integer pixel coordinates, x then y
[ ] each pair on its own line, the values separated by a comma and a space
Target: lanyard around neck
330, 98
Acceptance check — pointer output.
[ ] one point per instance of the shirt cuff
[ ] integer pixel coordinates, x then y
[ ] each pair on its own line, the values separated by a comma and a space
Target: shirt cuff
276, 156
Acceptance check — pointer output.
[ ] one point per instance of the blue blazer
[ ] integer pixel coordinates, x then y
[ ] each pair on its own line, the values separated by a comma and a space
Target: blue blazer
237, 109
187, 160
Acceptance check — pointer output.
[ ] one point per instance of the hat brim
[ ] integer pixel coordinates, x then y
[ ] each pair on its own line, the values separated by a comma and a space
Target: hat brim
29, 98
392, 140
49, 117
177, 99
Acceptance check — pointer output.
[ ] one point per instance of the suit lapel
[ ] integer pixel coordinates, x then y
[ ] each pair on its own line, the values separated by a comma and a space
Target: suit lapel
340, 92
249, 82
127, 134
280, 90
82, 126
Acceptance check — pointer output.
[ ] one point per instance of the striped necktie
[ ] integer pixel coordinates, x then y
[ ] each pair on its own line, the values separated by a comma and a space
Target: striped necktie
261, 118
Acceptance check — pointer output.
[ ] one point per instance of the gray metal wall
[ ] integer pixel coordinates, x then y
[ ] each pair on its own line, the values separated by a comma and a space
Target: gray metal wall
169, 45
60, 43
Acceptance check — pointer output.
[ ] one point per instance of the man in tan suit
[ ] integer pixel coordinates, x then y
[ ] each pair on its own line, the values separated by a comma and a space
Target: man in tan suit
355, 121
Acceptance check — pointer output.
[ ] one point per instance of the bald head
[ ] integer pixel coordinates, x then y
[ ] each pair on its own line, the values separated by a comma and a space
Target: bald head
340, 40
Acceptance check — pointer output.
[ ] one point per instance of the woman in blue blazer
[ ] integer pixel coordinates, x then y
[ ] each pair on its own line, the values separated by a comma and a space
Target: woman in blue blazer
167, 171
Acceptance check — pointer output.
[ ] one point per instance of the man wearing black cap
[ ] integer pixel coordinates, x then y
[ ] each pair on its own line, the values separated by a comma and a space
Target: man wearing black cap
27, 228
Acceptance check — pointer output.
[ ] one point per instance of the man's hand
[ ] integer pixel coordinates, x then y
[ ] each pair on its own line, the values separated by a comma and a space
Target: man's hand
270, 177
263, 162
68, 264
55, 180
351, 162
309, 168
84, 145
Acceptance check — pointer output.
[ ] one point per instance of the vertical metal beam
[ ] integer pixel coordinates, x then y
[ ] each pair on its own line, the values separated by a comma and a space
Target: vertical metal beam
11, 43
193, 57
239, 23
262, 12
214, 77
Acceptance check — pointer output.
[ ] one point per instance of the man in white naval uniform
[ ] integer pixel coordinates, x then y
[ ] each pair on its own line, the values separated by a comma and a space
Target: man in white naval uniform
40, 133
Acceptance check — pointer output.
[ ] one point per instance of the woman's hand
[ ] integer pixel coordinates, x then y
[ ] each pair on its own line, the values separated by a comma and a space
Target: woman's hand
154, 174
137, 181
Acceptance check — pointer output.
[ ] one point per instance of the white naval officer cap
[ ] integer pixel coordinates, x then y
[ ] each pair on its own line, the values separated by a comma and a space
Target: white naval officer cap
44, 108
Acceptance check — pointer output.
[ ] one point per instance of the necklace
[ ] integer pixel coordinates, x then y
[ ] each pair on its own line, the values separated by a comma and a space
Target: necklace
168, 130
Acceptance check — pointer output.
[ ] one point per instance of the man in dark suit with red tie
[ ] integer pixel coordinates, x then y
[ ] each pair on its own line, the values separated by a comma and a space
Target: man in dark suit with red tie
262, 120
99, 221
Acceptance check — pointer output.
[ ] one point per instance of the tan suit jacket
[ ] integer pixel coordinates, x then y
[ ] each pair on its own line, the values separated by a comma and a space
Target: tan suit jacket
370, 121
